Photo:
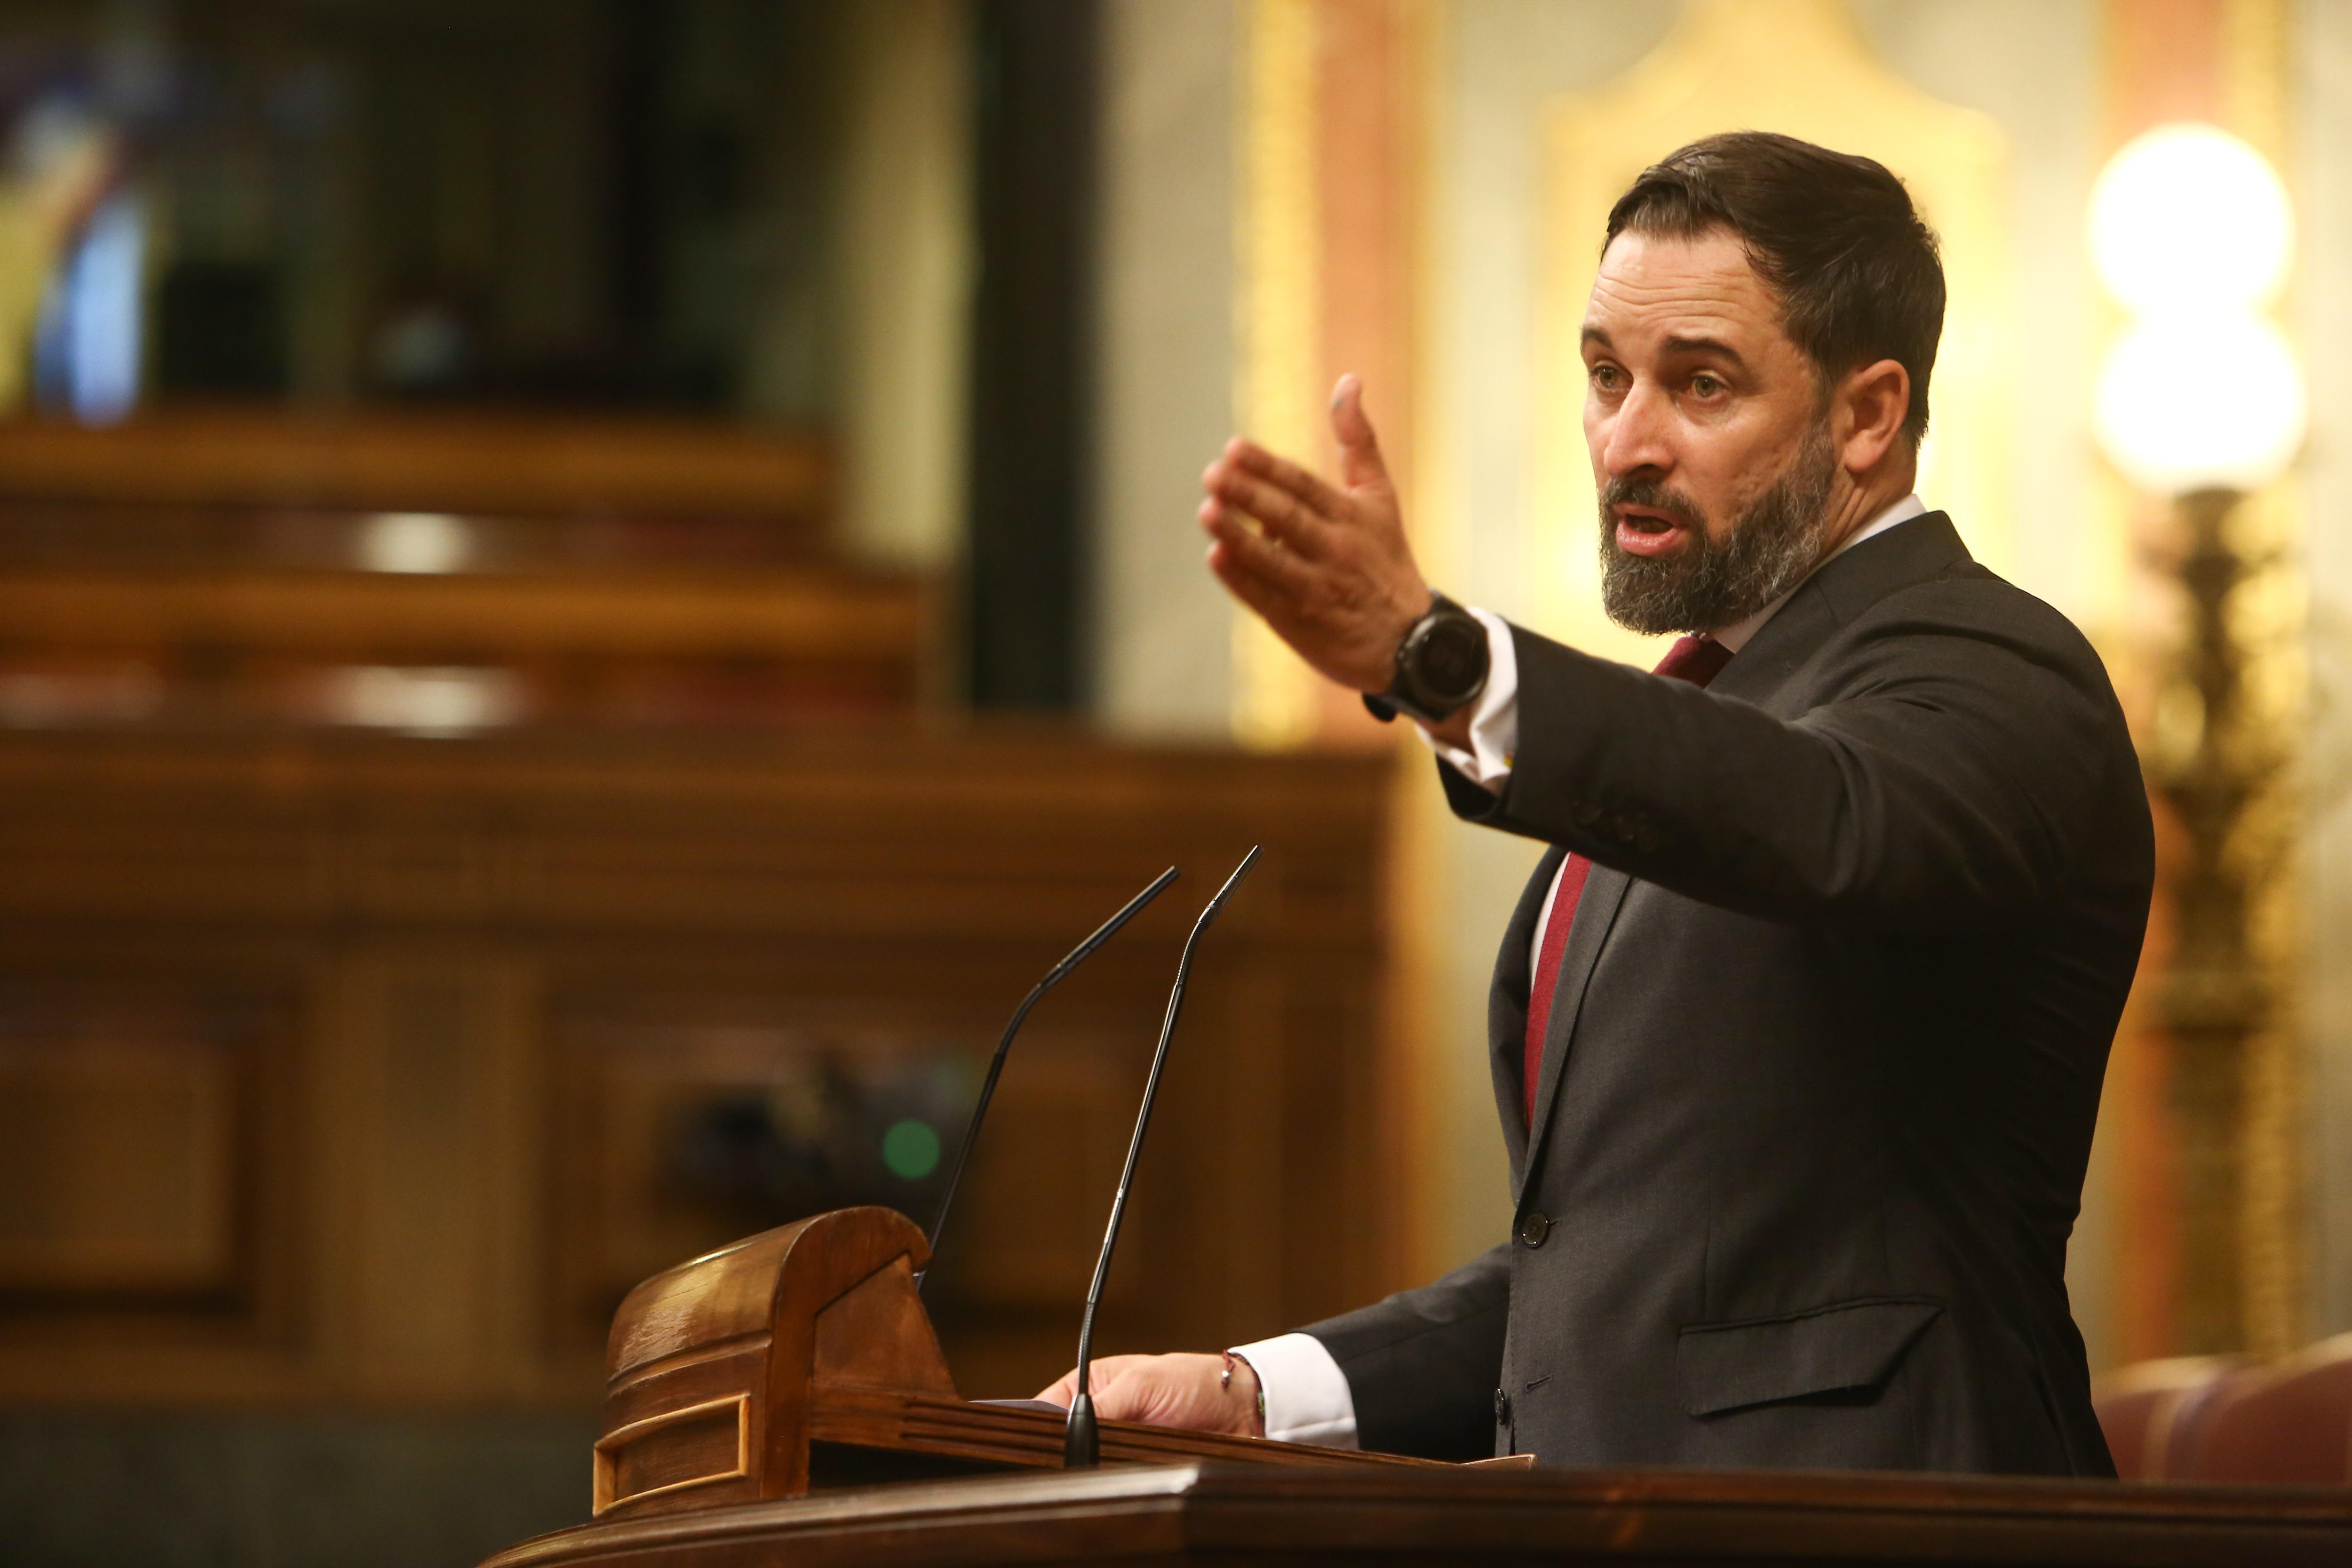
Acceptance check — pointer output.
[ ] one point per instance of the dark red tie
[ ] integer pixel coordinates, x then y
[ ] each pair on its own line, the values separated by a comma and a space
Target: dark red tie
1697, 661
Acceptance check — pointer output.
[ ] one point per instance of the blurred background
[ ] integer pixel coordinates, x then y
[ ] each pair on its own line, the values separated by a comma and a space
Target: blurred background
590, 589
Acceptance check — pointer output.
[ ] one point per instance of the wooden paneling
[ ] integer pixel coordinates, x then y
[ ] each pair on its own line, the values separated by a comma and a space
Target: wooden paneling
458, 1006
135, 1113
473, 462
1037, 1204
428, 1252
150, 1158
117, 1155
634, 1069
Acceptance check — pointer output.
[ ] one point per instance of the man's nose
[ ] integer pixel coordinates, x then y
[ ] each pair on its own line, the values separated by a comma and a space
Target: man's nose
1636, 438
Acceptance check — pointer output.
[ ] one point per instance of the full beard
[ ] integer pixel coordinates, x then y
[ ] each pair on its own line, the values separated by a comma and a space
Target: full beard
1712, 583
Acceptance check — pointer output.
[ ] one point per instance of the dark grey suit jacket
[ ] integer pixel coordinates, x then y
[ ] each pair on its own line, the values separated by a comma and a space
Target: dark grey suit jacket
1819, 1085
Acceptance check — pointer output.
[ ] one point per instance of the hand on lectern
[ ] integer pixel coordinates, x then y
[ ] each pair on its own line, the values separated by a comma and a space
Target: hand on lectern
1187, 1392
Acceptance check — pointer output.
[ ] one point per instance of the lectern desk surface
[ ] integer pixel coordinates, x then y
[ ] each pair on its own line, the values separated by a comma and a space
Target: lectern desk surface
744, 1382
1194, 1513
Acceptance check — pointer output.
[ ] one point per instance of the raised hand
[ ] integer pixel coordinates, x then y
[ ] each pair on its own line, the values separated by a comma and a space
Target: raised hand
1328, 567
1180, 1391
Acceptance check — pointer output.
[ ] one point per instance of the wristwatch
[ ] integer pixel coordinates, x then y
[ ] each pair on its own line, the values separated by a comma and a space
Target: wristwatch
1441, 666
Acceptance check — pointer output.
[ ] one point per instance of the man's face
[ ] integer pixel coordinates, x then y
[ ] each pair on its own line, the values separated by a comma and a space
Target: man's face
1710, 441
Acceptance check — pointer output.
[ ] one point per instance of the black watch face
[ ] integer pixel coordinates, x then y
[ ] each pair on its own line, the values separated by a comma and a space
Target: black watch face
1452, 659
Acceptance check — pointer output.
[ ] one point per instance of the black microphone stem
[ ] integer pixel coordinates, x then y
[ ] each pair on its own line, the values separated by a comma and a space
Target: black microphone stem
1054, 978
1081, 1446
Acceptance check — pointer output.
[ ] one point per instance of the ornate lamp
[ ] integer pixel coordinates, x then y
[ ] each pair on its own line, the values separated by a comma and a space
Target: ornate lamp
2200, 401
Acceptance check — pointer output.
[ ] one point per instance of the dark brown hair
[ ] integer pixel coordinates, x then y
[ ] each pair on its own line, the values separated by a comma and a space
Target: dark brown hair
1834, 235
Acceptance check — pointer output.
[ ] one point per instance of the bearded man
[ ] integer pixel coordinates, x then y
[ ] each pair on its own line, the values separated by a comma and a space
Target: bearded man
1799, 1029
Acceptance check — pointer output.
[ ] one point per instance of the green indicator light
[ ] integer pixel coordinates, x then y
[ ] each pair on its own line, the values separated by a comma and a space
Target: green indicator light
911, 1149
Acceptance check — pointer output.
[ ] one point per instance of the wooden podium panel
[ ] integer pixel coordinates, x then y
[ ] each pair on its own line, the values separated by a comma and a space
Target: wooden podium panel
802, 1358
1208, 1513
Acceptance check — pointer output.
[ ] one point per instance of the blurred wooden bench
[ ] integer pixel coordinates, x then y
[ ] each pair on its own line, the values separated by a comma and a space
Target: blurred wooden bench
489, 463
2232, 1418
437, 573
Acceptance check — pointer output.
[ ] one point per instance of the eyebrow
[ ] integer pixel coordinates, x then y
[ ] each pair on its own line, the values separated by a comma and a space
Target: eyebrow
1705, 346
1678, 345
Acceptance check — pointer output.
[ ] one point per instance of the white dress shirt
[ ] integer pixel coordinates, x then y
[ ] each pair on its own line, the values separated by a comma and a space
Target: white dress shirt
1306, 1395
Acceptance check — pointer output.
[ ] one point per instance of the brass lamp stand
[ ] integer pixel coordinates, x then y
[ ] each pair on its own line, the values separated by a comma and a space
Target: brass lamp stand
2218, 763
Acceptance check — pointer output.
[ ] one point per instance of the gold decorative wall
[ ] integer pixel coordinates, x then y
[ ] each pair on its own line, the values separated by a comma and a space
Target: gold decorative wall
1332, 142
1279, 329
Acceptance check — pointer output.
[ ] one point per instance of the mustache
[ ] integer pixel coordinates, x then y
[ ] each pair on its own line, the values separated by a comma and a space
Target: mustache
1652, 496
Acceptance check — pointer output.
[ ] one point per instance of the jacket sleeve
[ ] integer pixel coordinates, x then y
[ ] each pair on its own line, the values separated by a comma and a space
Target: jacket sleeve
1946, 780
1423, 1366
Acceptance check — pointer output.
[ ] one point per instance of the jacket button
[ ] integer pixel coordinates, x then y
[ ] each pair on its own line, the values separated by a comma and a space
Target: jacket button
1502, 1407
1534, 1227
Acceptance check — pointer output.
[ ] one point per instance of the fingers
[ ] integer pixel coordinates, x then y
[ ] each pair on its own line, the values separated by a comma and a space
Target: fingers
1360, 463
1105, 1370
1297, 604
1117, 1395
1280, 513
1185, 1391
1297, 492
1309, 489
1270, 607
1266, 558
1127, 1394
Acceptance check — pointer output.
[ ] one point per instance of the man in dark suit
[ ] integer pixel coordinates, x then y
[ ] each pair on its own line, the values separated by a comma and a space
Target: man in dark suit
1799, 1029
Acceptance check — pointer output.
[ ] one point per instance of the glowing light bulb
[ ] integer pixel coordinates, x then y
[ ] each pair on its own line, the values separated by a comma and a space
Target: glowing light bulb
2189, 215
2192, 401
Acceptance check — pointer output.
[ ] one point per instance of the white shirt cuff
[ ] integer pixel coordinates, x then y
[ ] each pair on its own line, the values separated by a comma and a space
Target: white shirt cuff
1495, 723
1306, 1395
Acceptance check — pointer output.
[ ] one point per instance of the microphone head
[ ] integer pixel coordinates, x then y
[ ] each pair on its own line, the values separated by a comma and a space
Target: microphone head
1081, 1443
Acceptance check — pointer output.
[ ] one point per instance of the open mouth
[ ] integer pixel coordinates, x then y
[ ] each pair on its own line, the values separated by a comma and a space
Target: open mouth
1640, 532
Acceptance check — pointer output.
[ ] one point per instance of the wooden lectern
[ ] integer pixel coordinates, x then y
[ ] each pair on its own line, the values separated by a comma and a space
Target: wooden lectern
801, 1361
802, 1358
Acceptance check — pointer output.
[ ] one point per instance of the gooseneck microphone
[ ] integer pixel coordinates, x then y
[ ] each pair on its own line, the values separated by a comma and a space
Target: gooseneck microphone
1081, 1443
1054, 978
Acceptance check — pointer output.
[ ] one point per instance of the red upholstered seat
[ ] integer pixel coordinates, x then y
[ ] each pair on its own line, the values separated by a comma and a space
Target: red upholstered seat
2288, 1421
2153, 1411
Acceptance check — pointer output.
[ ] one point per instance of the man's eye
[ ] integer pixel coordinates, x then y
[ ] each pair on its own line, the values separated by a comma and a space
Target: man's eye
1606, 378
1706, 385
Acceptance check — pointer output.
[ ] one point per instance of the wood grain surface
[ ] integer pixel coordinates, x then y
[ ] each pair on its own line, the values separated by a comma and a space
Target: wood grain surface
1229, 1514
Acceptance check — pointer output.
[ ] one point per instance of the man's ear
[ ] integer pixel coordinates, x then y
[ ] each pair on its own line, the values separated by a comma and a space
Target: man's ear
1872, 404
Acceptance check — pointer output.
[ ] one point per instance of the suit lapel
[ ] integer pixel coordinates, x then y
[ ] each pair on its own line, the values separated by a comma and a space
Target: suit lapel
1507, 1007
1596, 913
